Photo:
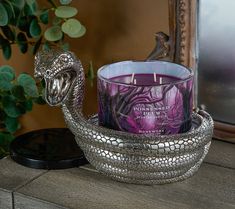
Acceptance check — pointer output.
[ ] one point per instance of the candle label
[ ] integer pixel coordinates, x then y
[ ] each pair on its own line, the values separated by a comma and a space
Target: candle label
164, 109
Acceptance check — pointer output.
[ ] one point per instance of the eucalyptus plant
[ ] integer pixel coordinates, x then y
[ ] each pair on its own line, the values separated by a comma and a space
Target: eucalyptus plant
29, 26
24, 23
17, 95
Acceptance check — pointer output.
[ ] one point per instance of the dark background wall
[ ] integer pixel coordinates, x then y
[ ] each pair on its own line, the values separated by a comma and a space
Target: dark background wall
116, 30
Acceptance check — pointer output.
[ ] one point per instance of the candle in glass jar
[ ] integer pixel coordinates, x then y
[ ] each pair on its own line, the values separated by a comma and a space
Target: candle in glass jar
145, 97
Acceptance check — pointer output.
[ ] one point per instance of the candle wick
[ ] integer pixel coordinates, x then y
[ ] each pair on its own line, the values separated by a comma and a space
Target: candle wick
132, 77
155, 77
160, 80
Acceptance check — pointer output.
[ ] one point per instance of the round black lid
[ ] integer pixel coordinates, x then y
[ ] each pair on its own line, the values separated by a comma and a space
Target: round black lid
54, 148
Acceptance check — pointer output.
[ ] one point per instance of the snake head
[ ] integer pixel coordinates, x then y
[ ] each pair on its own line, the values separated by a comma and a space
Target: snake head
59, 69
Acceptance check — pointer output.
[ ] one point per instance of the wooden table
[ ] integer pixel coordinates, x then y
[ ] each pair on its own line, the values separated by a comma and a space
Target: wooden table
84, 188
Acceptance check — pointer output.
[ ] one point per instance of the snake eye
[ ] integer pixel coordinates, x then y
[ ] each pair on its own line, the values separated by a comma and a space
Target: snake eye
48, 72
64, 58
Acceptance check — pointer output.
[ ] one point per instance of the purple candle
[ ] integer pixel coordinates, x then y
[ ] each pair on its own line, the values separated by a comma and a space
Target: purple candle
145, 97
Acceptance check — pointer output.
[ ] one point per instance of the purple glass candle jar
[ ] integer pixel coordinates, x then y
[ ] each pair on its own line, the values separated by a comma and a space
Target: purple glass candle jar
145, 97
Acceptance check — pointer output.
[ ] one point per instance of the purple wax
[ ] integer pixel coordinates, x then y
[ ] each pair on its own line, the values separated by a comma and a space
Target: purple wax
145, 79
145, 97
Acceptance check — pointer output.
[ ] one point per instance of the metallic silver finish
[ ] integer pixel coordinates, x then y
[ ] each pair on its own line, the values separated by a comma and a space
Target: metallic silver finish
216, 70
126, 157
162, 47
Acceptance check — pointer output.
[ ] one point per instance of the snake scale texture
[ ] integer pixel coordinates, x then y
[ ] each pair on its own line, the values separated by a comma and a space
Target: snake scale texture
126, 157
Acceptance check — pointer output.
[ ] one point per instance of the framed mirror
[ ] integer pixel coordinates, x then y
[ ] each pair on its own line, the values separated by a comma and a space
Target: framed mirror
201, 37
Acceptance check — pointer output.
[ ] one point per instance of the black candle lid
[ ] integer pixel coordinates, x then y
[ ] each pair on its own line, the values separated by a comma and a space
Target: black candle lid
47, 149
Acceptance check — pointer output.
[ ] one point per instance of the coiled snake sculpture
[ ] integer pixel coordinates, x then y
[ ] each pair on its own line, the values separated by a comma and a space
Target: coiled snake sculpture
142, 159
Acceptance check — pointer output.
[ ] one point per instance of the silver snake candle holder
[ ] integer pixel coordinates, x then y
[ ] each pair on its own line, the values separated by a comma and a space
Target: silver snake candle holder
126, 157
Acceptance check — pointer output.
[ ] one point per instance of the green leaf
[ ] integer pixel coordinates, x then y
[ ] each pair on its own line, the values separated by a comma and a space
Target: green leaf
6, 76
8, 69
6, 49
10, 107
30, 7
65, 2
3, 15
29, 85
28, 105
11, 124
44, 17
35, 29
28, 20
18, 92
53, 33
18, 13
8, 33
81, 32
5, 81
56, 21
37, 45
27, 10
30, 2
18, 3
10, 10
66, 11
71, 27
22, 42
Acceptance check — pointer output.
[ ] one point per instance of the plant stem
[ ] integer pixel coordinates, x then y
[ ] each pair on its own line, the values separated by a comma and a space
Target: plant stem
52, 3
